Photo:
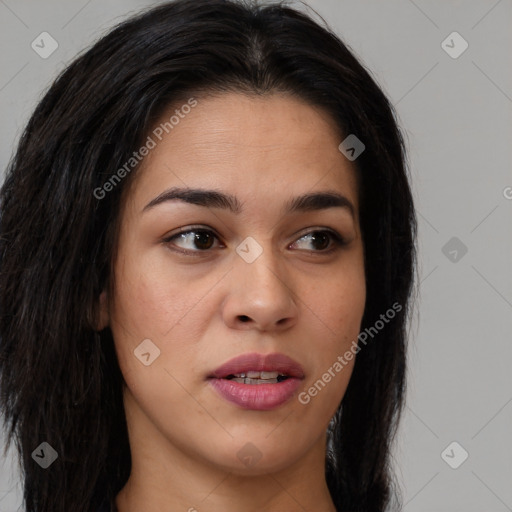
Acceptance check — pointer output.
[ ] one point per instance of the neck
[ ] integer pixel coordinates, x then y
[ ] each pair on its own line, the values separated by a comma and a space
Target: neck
164, 477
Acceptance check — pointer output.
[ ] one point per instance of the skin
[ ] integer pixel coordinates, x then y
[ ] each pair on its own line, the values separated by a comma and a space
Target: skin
298, 299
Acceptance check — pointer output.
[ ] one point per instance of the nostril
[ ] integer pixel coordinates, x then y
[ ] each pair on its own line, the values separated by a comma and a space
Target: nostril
244, 318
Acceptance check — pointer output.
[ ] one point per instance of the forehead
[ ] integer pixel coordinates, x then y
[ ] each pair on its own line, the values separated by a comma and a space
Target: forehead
268, 145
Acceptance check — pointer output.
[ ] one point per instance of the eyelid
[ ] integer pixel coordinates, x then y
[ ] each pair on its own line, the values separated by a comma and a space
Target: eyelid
192, 227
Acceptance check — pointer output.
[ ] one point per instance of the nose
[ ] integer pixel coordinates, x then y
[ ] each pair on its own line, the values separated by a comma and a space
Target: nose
260, 295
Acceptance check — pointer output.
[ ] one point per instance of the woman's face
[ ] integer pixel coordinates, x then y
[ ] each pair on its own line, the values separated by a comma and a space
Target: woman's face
263, 276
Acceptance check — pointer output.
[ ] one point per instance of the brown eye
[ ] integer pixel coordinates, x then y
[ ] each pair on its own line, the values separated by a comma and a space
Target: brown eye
321, 240
203, 240
193, 240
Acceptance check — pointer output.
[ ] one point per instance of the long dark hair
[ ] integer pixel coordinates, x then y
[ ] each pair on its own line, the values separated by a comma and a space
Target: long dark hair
60, 381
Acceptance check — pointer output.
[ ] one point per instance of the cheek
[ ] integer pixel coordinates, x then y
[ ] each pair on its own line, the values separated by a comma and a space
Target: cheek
337, 309
154, 301
152, 297
338, 301
153, 316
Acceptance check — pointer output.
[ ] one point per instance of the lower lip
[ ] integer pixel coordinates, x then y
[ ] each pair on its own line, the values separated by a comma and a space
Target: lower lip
258, 397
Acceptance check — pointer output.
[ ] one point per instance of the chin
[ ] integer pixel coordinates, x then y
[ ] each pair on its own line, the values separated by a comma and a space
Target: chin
259, 454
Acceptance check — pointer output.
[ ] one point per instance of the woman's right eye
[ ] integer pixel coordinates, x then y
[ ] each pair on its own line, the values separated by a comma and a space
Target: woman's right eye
201, 239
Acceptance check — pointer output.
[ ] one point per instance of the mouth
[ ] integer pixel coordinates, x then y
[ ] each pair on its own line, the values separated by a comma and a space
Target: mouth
259, 367
253, 377
257, 381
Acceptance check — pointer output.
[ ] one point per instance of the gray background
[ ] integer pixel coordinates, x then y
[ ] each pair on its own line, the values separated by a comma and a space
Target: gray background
456, 115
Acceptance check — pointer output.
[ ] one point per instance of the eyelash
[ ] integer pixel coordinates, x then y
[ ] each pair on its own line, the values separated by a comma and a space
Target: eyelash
337, 240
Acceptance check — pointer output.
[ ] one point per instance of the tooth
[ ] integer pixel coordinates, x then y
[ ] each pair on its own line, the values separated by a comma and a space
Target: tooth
269, 375
252, 381
258, 375
256, 381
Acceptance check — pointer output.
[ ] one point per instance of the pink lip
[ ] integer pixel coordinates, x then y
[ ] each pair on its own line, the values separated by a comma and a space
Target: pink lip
261, 397
260, 363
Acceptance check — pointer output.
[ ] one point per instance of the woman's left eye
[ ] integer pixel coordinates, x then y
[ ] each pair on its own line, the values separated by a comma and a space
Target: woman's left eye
323, 238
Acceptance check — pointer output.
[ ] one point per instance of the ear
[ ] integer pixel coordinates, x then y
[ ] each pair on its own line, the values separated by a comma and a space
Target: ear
103, 319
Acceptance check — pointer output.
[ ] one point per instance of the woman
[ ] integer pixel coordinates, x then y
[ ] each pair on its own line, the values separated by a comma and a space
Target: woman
174, 336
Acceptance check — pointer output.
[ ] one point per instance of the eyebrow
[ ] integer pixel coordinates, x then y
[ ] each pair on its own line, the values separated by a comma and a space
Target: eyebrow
314, 201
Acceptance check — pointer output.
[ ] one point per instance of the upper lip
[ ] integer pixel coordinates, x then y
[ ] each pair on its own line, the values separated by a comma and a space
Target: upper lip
274, 362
